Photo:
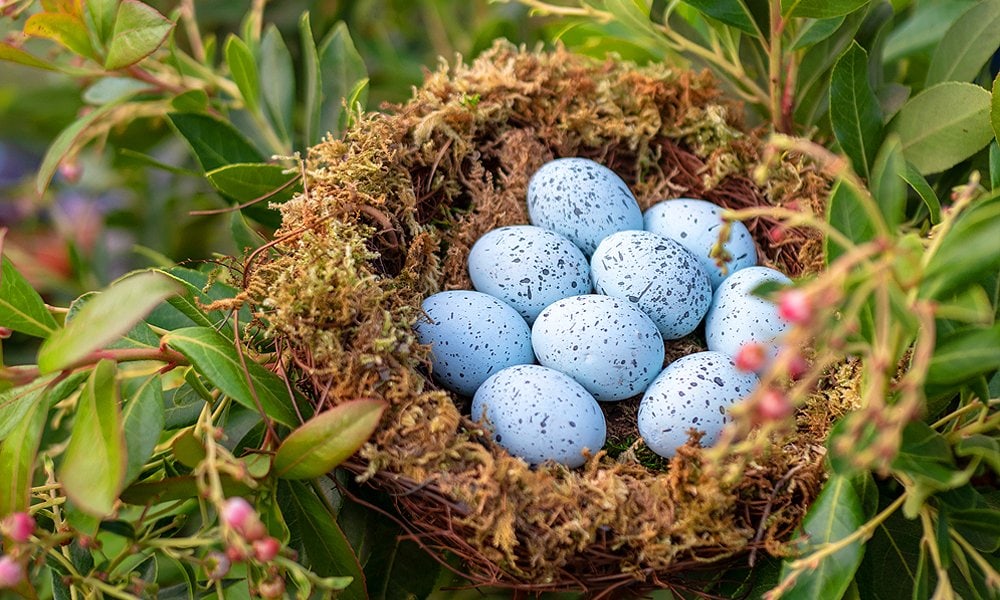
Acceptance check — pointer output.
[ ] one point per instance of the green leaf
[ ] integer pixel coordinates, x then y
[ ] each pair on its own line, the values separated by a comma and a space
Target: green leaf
820, 9
923, 29
68, 141
967, 45
191, 101
327, 550
964, 354
16, 55
311, 84
985, 447
92, 472
277, 81
730, 12
816, 31
100, 18
17, 401
215, 143
216, 359
969, 252
994, 147
17, 459
182, 487
846, 214
183, 310
855, 113
894, 548
21, 308
979, 526
835, 514
245, 237
328, 439
923, 189
943, 125
143, 418
340, 69
887, 183
64, 28
972, 306
105, 318
139, 30
925, 458
247, 182
995, 122
113, 89
243, 68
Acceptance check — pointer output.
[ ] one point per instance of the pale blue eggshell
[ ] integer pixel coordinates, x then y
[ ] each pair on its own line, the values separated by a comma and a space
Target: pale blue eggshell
738, 317
656, 274
528, 267
608, 345
583, 200
540, 414
472, 336
694, 391
695, 225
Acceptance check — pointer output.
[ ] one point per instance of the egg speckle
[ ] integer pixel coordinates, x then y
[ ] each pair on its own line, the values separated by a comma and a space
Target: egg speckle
472, 336
738, 317
540, 414
583, 200
608, 345
694, 391
656, 274
528, 267
695, 225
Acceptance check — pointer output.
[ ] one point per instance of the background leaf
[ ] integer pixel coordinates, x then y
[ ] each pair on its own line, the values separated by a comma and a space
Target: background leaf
730, 12
944, 125
100, 18
854, 109
340, 69
317, 446
17, 401
311, 84
16, 55
92, 471
995, 110
17, 458
969, 252
138, 31
967, 45
964, 354
64, 28
919, 184
887, 184
893, 549
845, 212
215, 143
68, 141
21, 308
245, 182
243, 68
820, 9
143, 419
277, 79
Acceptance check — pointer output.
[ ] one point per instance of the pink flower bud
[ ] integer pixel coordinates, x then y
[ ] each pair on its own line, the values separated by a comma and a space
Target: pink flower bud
216, 565
71, 170
272, 588
794, 306
751, 357
797, 367
266, 549
11, 572
241, 517
773, 405
18, 527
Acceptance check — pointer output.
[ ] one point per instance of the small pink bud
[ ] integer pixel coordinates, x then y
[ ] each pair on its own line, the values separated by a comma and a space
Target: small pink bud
5, 333
272, 588
236, 554
11, 572
794, 306
797, 367
266, 549
18, 527
776, 234
773, 405
751, 357
71, 170
216, 565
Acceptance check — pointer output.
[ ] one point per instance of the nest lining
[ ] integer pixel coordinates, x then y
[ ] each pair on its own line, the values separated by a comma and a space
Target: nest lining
388, 217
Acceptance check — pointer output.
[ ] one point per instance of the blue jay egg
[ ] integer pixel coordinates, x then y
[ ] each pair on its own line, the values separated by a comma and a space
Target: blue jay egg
656, 274
528, 267
540, 414
694, 391
695, 225
583, 200
738, 317
608, 345
472, 336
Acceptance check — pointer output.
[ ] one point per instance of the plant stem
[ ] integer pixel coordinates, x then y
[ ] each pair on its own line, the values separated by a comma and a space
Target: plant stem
775, 66
22, 375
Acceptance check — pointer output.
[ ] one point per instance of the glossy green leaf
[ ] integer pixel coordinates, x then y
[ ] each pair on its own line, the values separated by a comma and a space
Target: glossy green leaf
188, 449
245, 381
923, 29
887, 183
21, 308
191, 101
965, 354
17, 401
17, 458
139, 30
894, 548
943, 125
93, 466
317, 533
68, 141
985, 447
215, 143
340, 69
969, 252
311, 83
140, 336
980, 526
919, 184
100, 18
967, 45
251, 181
143, 418
820, 9
182, 487
995, 120
105, 318
731, 12
243, 68
972, 305
855, 113
317, 446
64, 28
813, 81
277, 81
846, 214
836, 513
816, 31
16, 55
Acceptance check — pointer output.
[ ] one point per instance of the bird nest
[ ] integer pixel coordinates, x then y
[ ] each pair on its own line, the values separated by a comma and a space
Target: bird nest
387, 217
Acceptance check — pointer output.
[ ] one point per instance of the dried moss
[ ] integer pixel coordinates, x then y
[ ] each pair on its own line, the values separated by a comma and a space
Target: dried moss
388, 217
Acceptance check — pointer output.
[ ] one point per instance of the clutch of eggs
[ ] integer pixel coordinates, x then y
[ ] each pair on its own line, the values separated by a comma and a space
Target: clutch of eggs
655, 280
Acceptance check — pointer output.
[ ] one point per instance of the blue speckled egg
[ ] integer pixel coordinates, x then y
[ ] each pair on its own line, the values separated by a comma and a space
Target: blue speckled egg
472, 336
738, 317
693, 391
608, 345
528, 267
695, 225
583, 200
540, 414
656, 274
